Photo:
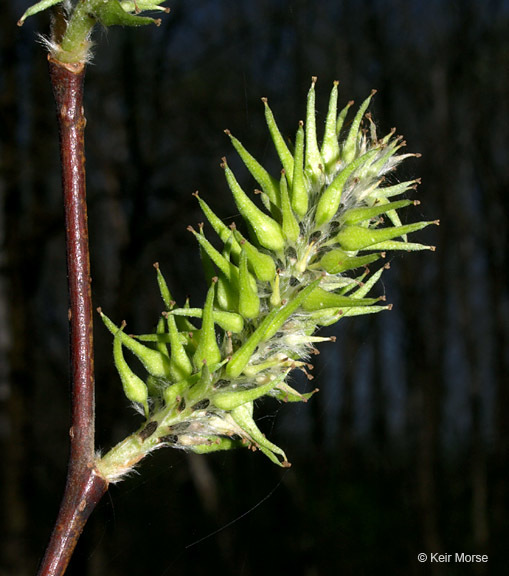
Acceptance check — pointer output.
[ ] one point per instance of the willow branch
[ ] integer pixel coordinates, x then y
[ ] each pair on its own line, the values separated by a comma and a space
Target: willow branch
85, 486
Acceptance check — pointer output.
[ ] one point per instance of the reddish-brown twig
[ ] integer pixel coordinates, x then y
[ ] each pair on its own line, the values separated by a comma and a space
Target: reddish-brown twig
85, 486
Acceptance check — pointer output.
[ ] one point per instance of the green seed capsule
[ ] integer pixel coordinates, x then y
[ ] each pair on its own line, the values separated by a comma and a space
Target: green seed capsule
218, 225
209, 270
207, 349
338, 261
249, 302
330, 145
227, 249
299, 193
152, 337
231, 400
180, 363
153, 361
244, 419
265, 180
359, 238
275, 362
163, 287
383, 164
228, 321
139, 5
134, 387
341, 118
227, 294
394, 218
365, 287
176, 391
349, 150
214, 444
329, 316
329, 202
284, 313
202, 386
217, 258
290, 225
161, 337
275, 297
112, 14
320, 299
314, 163
281, 148
357, 215
286, 393
397, 245
267, 231
183, 323
262, 264
242, 356
395, 190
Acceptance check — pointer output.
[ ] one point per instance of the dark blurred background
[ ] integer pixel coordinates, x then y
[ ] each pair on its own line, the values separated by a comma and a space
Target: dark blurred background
406, 448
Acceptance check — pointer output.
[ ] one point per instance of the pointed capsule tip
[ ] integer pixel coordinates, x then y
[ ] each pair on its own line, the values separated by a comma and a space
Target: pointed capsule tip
265, 100
227, 132
373, 91
314, 79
